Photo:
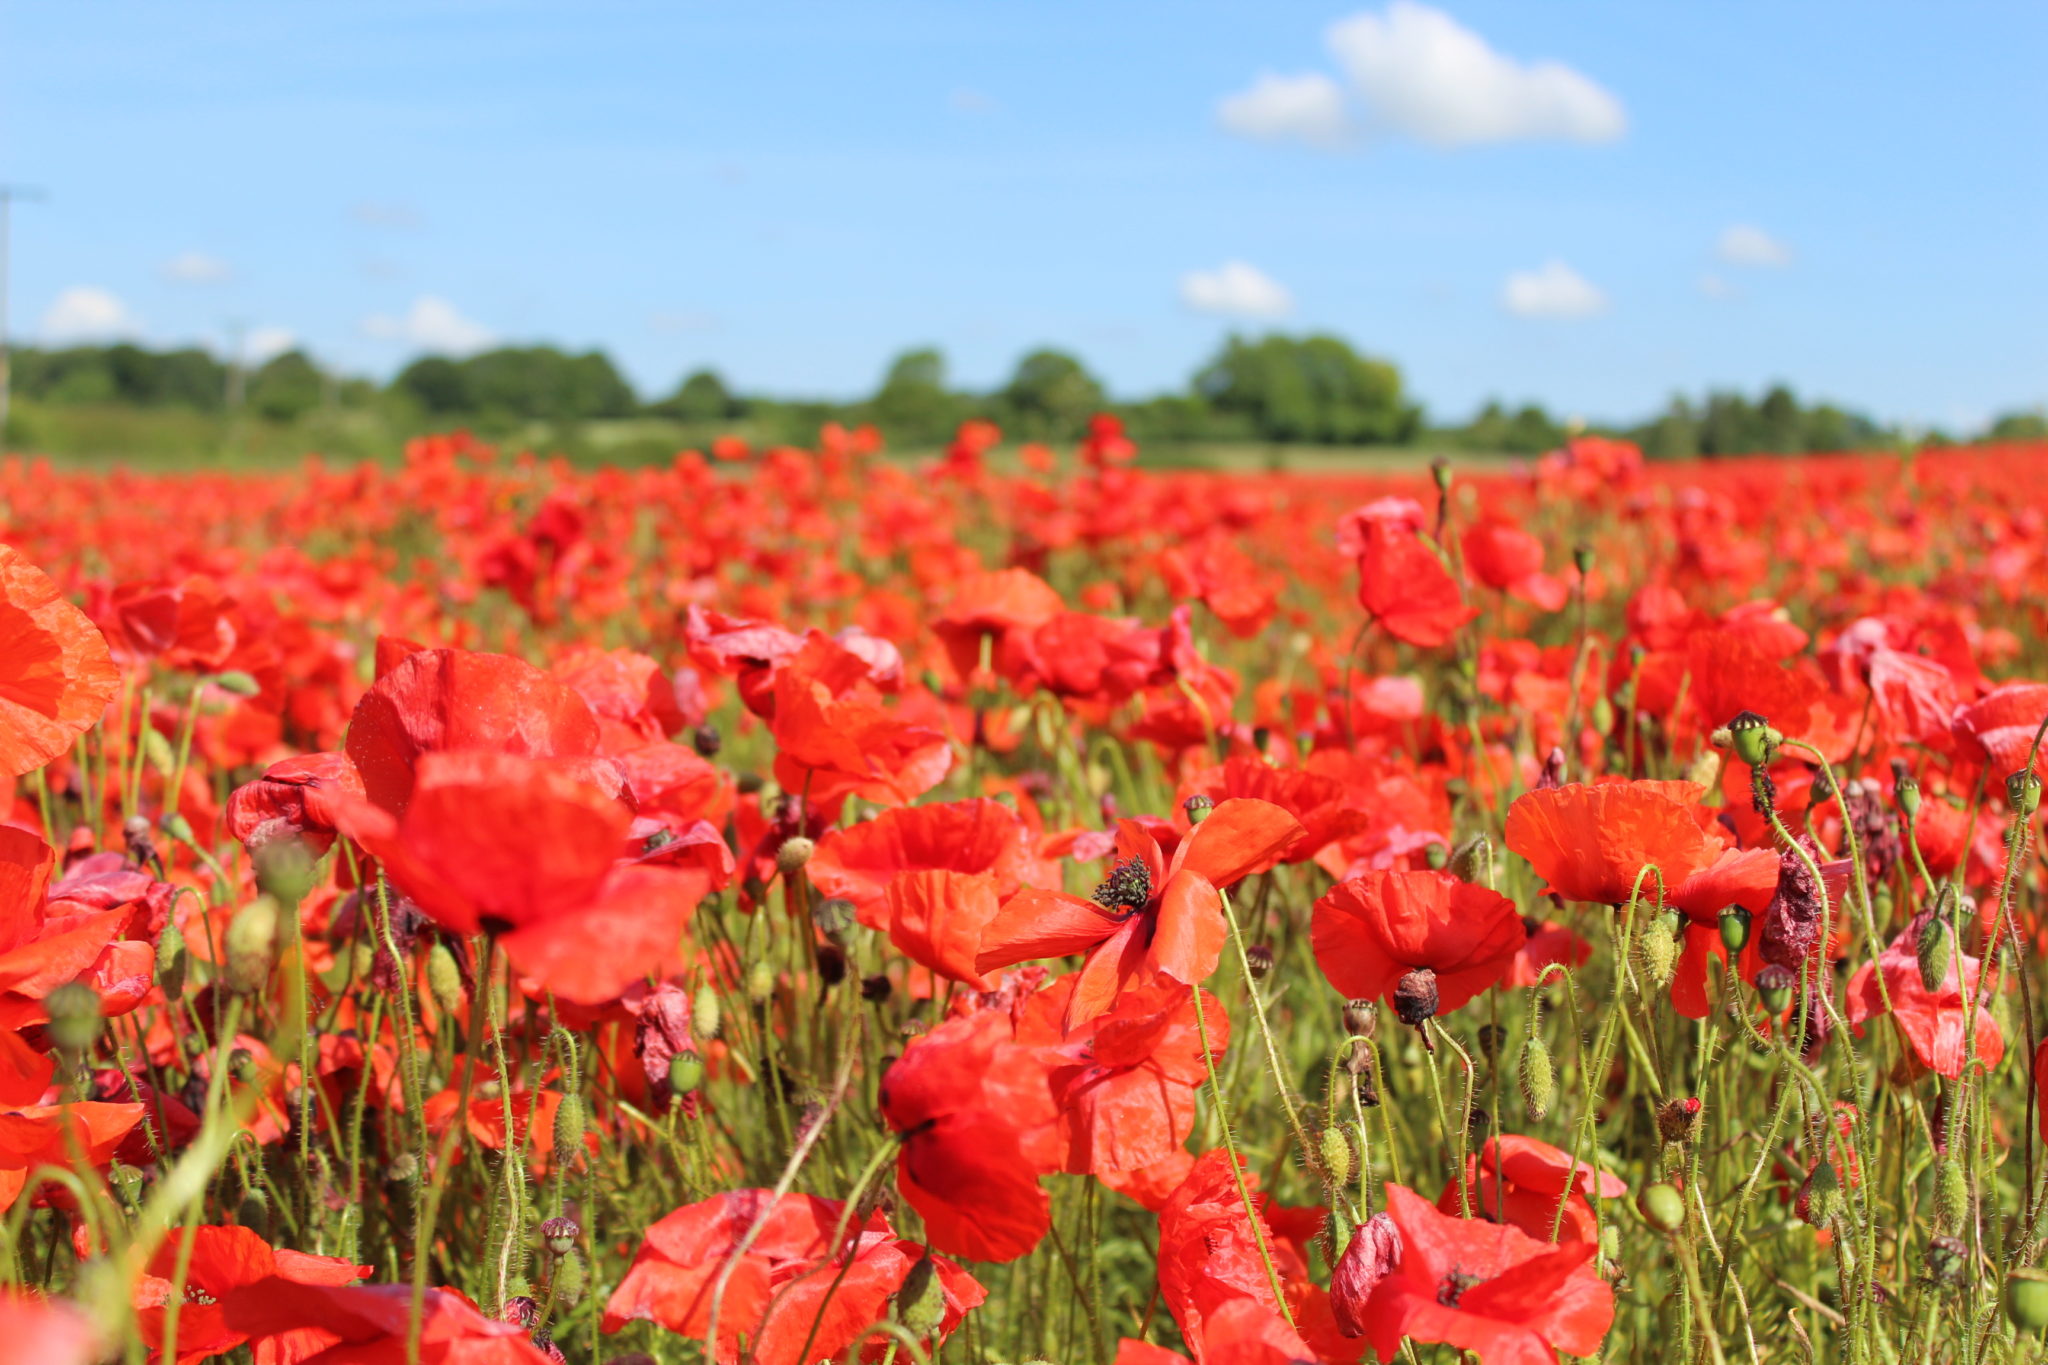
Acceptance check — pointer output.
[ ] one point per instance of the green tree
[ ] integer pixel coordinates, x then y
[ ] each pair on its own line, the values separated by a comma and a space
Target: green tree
1312, 388
287, 387
2019, 426
439, 385
913, 405
702, 397
1051, 396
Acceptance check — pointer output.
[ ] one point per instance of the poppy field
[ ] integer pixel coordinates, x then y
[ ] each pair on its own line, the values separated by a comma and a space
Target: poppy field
788, 905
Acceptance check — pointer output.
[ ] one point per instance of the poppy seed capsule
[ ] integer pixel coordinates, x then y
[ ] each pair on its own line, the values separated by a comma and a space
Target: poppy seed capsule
1259, 958
1415, 996
1948, 1261
1437, 856
685, 1072
706, 740
1735, 922
1360, 1018
1537, 1075
1198, 807
1753, 739
793, 855
2023, 793
1774, 987
833, 916
1907, 790
559, 1235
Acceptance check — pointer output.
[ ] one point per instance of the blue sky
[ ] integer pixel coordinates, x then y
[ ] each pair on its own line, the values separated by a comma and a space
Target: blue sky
1590, 204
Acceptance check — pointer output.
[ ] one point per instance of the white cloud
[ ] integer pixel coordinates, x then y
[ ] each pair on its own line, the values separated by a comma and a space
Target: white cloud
266, 343
1425, 75
1235, 289
86, 313
400, 217
1742, 244
1307, 108
196, 267
968, 101
1554, 290
1716, 287
431, 324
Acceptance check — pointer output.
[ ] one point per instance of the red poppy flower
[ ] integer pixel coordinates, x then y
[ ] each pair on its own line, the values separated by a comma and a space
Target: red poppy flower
989, 605
1592, 842
835, 739
46, 1331
1149, 915
633, 700
293, 799
979, 836
793, 1286
1510, 560
1932, 1022
1374, 929
1487, 1288
439, 700
225, 1259
371, 1324
1124, 1082
528, 849
1521, 1181
45, 945
1322, 803
190, 623
56, 675
1404, 585
1998, 728
965, 1100
33, 1134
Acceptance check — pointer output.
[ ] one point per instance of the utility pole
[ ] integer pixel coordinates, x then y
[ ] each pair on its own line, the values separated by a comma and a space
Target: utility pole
8, 194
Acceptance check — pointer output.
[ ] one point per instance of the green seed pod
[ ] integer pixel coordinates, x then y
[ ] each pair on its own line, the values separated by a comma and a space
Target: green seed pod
2023, 793
1336, 1154
1662, 1206
172, 959
284, 870
760, 983
1774, 987
1951, 1193
704, 1015
794, 855
569, 1128
1820, 1199
444, 979
921, 1302
2026, 1300
250, 947
1753, 739
1603, 715
1936, 950
1437, 856
74, 1017
237, 683
1472, 861
1735, 923
1537, 1076
1198, 808
177, 826
1908, 791
685, 1072
569, 1282
1660, 946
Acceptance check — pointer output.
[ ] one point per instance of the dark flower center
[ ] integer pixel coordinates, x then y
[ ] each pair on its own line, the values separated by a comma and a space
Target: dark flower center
1128, 886
1454, 1286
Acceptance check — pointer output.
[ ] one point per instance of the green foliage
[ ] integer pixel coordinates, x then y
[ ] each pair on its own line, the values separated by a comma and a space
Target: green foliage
1727, 423
1309, 389
1051, 396
123, 373
913, 405
533, 382
701, 397
287, 387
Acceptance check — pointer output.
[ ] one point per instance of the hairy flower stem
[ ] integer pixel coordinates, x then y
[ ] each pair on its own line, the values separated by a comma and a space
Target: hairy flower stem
1265, 1027
1244, 1193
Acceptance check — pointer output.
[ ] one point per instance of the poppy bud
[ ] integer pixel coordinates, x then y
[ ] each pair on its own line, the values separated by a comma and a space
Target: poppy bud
760, 983
1774, 986
250, 946
1553, 769
921, 1301
1603, 715
685, 1072
74, 1012
875, 989
2026, 1300
704, 1012
1336, 1154
1660, 946
171, 961
559, 1235
833, 916
1582, 559
1948, 1261
1472, 861
1679, 1120
1374, 1251
253, 1212
1951, 1193
1662, 1206
1415, 996
1197, 807
793, 855
1490, 1036
2023, 793
444, 978
1360, 1018
1820, 1199
1935, 948
177, 826
1259, 957
706, 740
1537, 1076
1753, 739
1440, 470
1735, 929
242, 1065
237, 683
569, 1280
568, 1128
284, 870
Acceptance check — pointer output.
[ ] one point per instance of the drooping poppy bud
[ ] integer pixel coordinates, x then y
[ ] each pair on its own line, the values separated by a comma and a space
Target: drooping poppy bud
1820, 1198
1472, 861
1415, 996
1662, 1206
444, 978
1951, 1193
171, 961
704, 1013
2026, 1300
1935, 949
1537, 1076
1490, 1038
760, 983
569, 1128
1374, 1251
793, 855
921, 1301
1660, 946
569, 1282
1335, 1149
706, 740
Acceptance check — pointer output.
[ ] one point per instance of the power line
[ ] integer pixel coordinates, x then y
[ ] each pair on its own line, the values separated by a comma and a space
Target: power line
8, 194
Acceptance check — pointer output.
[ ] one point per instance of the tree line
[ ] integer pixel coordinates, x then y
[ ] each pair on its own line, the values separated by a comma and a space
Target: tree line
1274, 389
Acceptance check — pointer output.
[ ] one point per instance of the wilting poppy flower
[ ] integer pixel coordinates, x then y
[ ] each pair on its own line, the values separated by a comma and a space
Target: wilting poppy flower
1510, 560
1405, 586
1487, 1288
964, 1100
370, 1324
46, 1331
56, 675
1371, 931
293, 799
793, 1277
224, 1259
449, 699
1932, 1022
1149, 914
527, 849
1370, 1256
1591, 843
1522, 1182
